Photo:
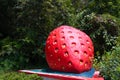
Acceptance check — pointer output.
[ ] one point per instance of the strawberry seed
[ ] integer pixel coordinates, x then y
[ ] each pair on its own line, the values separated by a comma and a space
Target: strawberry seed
63, 45
73, 44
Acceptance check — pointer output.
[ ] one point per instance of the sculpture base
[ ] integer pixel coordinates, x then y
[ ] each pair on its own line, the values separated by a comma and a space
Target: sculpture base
49, 74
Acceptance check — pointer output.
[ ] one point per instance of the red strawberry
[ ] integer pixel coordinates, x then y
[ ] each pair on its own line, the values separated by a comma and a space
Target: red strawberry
69, 49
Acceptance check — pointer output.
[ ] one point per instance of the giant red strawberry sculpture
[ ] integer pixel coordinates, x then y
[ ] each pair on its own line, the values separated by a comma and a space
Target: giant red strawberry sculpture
69, 50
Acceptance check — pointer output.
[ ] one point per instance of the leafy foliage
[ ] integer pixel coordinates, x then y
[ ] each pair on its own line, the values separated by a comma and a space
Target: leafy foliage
110, 65
103, 6
103, 29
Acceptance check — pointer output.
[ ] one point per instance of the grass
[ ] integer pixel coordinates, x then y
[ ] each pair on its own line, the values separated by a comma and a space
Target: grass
18, 76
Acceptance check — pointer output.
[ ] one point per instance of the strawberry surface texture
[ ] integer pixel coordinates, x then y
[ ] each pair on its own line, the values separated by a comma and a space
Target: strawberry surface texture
69, 49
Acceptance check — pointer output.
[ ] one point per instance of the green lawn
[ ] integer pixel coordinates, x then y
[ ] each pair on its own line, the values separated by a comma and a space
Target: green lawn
18, 76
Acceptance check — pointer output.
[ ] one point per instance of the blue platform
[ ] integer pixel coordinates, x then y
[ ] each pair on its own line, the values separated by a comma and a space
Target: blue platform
88, 74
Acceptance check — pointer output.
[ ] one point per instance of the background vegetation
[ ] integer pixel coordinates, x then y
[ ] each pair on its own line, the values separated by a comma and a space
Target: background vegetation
25, 25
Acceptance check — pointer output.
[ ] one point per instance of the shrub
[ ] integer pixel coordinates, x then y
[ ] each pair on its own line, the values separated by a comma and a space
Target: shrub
105, 6
109, 66
15, 55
